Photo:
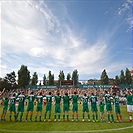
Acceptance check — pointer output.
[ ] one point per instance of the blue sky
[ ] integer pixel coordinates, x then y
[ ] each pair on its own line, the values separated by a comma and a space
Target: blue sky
87, 35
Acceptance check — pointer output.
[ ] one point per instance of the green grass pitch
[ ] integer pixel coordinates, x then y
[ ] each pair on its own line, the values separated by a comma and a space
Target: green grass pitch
61, 127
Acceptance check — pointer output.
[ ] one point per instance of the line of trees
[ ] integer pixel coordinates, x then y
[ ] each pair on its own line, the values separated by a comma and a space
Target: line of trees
24, 78
123, 78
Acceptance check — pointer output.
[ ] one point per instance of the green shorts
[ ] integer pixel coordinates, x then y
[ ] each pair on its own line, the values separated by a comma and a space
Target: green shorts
117, 109
20, 108
12, 108
57, 108
85, 108
94, 108
75, 108
39, 108
48, 107
30, 108
108, 107
65, 108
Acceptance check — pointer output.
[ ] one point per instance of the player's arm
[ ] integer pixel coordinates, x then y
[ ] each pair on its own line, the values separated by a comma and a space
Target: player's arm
88, 92
94, 91
111, 90
2, 92
101, 90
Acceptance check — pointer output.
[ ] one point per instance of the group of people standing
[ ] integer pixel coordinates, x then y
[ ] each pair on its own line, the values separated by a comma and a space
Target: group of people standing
66, 97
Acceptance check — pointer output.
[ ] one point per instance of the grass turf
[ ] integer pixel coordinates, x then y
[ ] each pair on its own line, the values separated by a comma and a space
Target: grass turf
12, 127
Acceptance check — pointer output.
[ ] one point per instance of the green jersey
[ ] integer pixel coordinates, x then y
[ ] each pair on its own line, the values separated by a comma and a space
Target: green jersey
129, 98
85, 100
31, 99
116, 100
49, 99
5, 104
39, 100
75, 99
107, 98
101, 106
93, 100
21, 99
12, 101
57, 99
65, 100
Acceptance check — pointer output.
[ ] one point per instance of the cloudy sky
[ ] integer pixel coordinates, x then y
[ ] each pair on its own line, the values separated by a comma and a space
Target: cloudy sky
87, 35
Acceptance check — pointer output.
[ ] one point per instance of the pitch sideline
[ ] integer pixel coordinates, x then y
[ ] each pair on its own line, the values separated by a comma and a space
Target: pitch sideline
90, 131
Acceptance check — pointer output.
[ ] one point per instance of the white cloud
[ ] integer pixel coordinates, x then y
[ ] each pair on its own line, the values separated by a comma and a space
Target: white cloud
124, 7
32, 32
126, 10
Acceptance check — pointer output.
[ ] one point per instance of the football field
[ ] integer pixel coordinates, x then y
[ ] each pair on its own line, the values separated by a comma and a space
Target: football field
67, 127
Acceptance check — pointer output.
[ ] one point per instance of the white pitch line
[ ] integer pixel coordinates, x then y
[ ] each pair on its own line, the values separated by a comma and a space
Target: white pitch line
89, 131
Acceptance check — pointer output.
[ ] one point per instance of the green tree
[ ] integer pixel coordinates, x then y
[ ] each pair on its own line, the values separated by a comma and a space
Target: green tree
61, 76
23, 76
117, 80
68, 76
104, 77
4, 84
122, 77
34, 79
75, 77
111, 81
10, 79
44, 79
51, 78
128, 77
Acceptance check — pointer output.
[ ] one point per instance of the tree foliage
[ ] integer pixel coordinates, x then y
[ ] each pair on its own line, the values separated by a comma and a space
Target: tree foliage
51, 78
10, 79
23, 76
128, 77
4, 84
34, 79
44, 79
75, 77
117, 80
122, 77
68, 76
104, 77
61, 76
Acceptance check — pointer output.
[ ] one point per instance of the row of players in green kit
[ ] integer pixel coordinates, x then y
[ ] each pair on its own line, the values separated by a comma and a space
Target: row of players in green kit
65, 98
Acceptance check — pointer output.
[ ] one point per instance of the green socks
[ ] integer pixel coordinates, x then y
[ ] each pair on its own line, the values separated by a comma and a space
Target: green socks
112, 117
93, 117
108, 117
96, 116
63, 116
89, 116
59, 116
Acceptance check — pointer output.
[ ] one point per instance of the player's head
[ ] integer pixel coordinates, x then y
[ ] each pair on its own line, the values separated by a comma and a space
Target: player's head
22, 92
14, 95
106, 92
6, 98
85, 94
92, 94
31, 92
128, 92
58, 93
114, 94
75, 92
49, 93
101, 102
66, 94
